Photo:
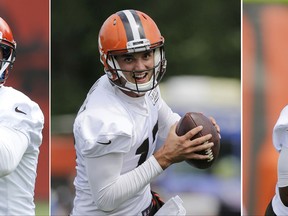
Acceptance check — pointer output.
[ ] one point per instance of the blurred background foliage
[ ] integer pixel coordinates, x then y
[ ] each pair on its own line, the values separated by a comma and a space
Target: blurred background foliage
201, 38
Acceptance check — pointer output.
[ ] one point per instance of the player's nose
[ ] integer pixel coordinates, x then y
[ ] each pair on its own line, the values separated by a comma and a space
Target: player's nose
140, 65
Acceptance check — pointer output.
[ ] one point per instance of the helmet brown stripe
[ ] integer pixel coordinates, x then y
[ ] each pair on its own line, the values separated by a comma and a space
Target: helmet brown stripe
128, 26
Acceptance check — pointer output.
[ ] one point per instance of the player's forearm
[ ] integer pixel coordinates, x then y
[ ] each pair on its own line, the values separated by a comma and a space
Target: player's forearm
13, 144
130, 183
110, 191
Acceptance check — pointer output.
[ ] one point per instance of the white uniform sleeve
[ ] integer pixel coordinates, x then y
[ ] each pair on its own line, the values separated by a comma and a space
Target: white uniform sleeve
283, 168
280, 132
114, 131
166, 119
111, 189
13, 144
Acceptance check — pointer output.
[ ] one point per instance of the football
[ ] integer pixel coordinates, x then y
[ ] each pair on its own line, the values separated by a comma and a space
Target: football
191, 120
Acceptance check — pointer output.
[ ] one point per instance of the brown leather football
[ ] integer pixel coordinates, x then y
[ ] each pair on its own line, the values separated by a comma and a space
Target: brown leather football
191, 120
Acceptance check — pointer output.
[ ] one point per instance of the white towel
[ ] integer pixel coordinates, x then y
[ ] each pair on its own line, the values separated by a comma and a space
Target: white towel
172, 207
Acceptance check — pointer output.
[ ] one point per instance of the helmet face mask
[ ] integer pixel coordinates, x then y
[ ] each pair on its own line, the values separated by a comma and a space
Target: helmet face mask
129, 32
7, 46
155, 73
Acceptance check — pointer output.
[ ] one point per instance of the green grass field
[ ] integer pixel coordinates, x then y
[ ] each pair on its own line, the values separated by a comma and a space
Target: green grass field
42, 208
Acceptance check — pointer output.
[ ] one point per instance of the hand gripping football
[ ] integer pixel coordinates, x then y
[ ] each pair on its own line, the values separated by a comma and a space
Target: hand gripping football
191, 120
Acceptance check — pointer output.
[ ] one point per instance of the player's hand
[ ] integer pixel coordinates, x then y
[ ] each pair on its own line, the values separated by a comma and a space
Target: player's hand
179, 148
215, 125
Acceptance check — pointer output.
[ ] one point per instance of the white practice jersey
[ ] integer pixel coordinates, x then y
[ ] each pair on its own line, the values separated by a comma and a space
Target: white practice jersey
109, 121
21, 114
280, 139
280, 132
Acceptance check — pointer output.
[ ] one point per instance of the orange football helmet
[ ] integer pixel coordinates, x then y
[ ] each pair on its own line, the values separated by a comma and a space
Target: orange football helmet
8, 46
131, 31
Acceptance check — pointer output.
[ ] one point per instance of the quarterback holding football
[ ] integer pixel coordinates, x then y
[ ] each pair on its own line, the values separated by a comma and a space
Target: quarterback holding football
118, 124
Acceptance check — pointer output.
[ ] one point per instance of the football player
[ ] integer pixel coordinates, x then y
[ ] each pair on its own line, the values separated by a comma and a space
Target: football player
279, 203
21, 124
117, 127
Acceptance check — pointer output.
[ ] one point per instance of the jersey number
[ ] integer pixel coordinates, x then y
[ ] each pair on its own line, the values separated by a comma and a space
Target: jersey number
144, 147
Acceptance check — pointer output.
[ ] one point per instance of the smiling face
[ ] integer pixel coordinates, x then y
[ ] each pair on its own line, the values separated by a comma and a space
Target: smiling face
140, 64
